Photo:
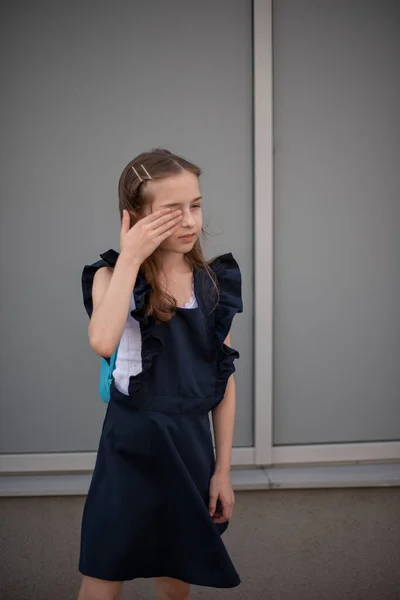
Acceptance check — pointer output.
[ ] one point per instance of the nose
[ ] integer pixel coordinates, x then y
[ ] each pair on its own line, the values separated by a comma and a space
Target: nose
188, 219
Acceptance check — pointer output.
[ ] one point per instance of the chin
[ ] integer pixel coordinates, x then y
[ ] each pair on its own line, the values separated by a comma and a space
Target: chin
183, 249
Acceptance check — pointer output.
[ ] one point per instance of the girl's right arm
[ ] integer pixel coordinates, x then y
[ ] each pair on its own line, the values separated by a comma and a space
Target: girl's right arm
112, 288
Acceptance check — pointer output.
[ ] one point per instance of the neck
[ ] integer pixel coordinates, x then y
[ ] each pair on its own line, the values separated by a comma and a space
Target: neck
172, 262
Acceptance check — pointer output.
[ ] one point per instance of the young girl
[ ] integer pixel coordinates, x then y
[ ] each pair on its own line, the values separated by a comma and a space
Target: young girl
159, 500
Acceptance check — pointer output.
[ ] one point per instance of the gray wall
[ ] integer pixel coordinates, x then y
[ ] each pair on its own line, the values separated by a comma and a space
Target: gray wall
336, 221
87, 86
287, 545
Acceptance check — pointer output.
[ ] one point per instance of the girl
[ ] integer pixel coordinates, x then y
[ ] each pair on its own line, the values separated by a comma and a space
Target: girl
159, 500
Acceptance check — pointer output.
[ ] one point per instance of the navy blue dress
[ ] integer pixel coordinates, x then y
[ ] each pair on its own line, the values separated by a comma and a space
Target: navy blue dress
146, 513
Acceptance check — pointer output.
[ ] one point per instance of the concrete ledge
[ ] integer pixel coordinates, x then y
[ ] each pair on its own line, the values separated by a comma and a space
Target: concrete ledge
264, 478
371, 475
45, 485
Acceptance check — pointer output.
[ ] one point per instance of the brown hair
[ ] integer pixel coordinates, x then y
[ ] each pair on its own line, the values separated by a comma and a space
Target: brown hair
159, 163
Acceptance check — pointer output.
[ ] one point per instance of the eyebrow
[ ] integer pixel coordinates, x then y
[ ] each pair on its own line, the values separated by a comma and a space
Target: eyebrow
179, 203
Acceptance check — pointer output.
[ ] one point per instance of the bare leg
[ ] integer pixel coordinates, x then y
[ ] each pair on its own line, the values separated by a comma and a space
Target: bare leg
172, 589
98, 589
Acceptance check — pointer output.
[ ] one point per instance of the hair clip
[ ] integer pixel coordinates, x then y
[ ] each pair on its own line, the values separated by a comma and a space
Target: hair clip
137, 174
147, 173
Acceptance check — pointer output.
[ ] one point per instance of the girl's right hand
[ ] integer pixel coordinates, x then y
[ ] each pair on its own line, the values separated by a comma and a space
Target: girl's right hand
140, 241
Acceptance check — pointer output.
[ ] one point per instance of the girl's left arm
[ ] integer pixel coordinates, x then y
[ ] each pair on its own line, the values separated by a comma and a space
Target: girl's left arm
223, 424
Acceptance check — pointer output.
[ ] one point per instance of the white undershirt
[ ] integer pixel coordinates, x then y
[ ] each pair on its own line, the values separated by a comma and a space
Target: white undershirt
129, 357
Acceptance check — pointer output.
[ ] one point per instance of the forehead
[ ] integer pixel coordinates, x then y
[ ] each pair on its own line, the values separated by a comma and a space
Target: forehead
176, 189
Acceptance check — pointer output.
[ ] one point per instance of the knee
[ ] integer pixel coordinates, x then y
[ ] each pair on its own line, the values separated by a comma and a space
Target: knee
172, 589
173, 595
97, 589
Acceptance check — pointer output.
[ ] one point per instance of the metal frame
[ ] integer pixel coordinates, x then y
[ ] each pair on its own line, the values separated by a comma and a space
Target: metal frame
263, 228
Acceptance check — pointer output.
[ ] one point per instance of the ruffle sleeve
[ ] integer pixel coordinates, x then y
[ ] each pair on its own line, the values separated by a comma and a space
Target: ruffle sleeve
152, 344
108, 259
229, 304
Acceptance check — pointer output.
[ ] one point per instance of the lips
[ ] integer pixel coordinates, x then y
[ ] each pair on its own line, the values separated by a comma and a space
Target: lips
187, 238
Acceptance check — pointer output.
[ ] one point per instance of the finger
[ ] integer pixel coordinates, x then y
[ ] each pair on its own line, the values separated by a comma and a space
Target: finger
220, 519
227, 506
227, 511
126, 222
224, 509
166, 234
156, 215
212, 504
162, 220
167, 226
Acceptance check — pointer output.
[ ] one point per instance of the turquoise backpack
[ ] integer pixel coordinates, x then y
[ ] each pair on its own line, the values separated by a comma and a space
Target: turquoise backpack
106, 376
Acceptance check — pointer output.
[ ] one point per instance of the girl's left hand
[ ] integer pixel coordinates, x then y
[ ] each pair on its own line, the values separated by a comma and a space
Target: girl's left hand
221, 489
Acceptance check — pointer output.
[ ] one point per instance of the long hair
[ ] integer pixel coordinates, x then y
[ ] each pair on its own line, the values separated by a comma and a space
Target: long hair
160, 163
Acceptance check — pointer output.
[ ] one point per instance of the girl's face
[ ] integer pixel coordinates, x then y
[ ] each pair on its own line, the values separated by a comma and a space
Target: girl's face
179, 191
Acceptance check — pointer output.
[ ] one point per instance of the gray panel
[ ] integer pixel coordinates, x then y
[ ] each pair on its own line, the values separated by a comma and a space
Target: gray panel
337, 221
87, 86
